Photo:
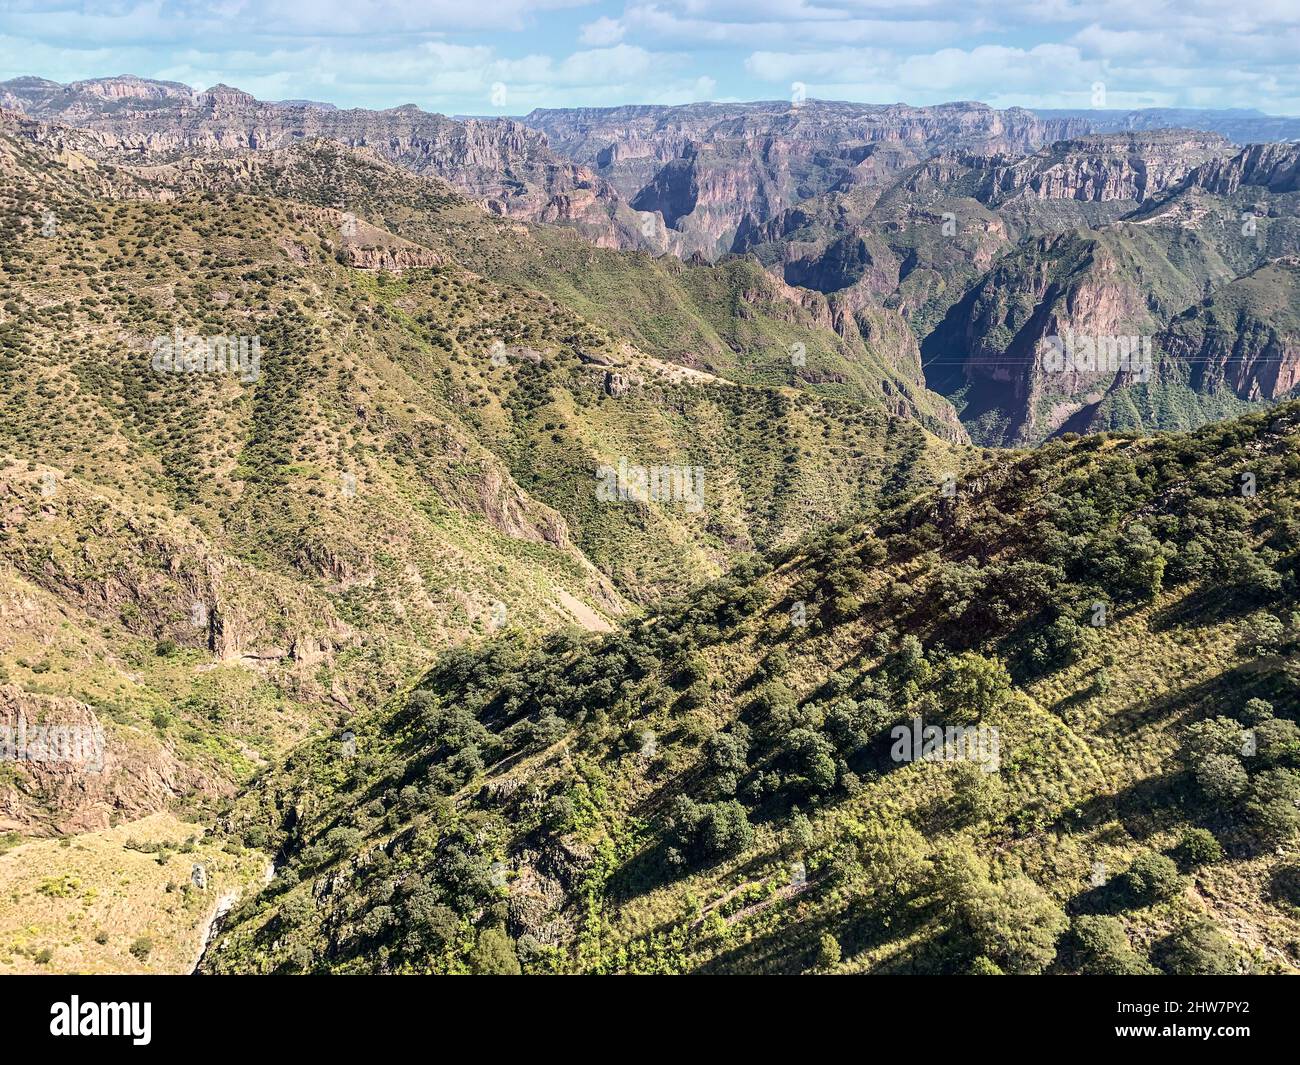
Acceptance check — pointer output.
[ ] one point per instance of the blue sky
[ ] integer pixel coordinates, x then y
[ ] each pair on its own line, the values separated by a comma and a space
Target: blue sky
508, 56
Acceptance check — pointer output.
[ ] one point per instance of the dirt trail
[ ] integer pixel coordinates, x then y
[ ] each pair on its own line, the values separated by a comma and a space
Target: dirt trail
585, 616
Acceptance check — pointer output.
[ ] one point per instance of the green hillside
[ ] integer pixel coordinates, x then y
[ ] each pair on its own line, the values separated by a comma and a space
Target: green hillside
716, 788
387, 454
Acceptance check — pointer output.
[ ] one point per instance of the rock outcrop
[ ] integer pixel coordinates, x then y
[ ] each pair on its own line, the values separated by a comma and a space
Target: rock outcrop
68, 773
713, 171
1124, 166
1275, 167
1245, 338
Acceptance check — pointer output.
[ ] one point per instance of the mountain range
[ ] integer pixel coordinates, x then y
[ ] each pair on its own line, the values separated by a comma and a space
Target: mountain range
527, 535
900, 209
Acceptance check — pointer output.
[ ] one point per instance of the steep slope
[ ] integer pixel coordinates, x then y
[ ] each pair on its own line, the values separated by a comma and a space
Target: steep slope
397, 454
730, 321
1104, 293
885, 211
1236, 348
260, 459
1275, 167
908, 235
919, 235
721, 787
1123, 170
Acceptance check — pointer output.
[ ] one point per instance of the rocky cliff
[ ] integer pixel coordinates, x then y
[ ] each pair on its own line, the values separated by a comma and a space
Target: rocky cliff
1119, 282
1126, 166
1275, 167
502, 164
65, 772
1245, 338
712, 171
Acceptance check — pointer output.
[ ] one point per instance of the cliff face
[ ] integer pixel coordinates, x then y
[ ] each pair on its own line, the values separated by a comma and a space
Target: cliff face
69, 774
921, 231
1245, 338
1275, 167
961, 220
163, 577
1129, 166
1096, 289
1060, 284
1110, 236
502, 164
716, 172
617, 140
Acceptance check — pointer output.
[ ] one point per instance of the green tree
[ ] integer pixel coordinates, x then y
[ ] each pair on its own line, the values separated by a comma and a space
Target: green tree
828, 951
494, 954
800, 832
812, 762
1100, 947
972, 686
978, 795
1198, 847
1015, 923
1199, 949
1152, 878
1263, 635
1256, 711
1221, 778
708, 831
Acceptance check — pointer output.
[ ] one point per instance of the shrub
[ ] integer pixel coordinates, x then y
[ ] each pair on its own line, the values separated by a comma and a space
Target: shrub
828, 951
1262, 637
1285, 885
1275, 821
1276, 742
1213, 736
812, 761
494, 954
972, 686
727, 754
1256, 711
709, 831
1152, 878
800, 832
558, 813
1221, 778
142, 947
1101, 948
1198, 847
1199, 949
1272, 810
1015, 924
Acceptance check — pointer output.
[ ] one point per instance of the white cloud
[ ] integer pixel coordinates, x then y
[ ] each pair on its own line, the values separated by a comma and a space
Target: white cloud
446, 54
604, 31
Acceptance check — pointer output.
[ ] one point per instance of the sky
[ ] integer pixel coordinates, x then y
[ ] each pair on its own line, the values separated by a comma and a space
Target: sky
489, 57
